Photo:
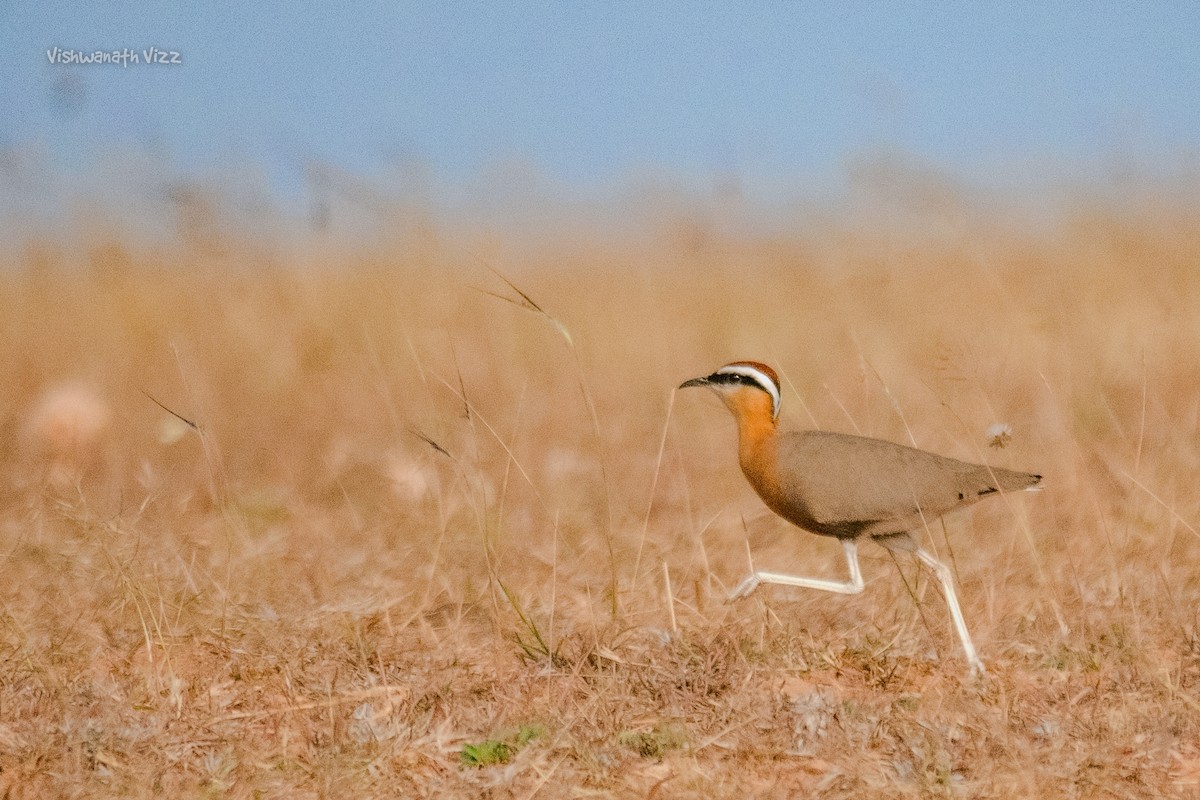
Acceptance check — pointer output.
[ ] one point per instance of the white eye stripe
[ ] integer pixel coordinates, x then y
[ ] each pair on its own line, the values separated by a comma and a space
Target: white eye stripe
758, 377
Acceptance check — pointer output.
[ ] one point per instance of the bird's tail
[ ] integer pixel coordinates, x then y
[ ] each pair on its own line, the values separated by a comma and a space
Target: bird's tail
1007, 480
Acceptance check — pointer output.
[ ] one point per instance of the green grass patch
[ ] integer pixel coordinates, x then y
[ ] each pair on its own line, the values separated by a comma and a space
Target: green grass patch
657, 741
501, 747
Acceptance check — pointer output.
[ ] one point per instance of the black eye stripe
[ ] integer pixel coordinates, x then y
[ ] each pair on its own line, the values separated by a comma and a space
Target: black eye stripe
748, 375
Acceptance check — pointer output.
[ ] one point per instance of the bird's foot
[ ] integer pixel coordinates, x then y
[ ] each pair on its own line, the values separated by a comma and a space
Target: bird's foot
745, 588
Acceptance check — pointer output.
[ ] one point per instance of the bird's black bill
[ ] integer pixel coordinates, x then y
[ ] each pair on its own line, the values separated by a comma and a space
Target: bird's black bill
695, 382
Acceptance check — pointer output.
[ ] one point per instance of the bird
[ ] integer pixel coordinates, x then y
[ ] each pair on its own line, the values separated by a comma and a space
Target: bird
849, 487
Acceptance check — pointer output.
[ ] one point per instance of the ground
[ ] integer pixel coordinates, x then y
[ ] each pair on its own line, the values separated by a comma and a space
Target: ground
424, 517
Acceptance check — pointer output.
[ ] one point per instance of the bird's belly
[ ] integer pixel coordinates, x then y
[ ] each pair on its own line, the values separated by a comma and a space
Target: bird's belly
802, 516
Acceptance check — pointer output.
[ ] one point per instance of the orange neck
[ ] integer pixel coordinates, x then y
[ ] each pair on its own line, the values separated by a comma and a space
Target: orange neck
756, 424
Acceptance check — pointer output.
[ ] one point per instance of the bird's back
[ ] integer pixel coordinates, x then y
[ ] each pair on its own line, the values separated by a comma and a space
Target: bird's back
841, 485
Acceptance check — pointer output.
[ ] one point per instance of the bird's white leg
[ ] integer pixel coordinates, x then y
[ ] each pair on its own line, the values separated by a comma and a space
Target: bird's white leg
947, 580
852, 586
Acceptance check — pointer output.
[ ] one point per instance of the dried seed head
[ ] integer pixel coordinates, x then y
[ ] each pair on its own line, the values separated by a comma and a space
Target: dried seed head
999, 434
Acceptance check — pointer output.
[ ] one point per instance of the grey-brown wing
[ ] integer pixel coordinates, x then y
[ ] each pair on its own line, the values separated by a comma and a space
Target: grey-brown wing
852, 483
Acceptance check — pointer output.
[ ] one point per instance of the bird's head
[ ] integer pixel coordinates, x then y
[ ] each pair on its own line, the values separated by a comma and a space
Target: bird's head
748, 388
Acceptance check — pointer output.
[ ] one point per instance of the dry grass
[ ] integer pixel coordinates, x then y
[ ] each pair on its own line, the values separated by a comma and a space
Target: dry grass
396, 530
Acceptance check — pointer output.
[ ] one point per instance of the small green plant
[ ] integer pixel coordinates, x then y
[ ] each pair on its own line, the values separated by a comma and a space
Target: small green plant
655, 742
535, 648
486, 753
500, 748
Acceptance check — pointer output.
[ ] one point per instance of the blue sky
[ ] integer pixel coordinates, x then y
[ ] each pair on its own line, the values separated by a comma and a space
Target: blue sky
778, 95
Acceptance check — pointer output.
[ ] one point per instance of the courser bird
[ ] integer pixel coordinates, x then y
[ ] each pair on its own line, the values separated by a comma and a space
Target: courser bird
849, 487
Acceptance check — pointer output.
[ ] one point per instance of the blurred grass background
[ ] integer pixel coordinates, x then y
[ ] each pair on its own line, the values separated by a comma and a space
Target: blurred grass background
407, 495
